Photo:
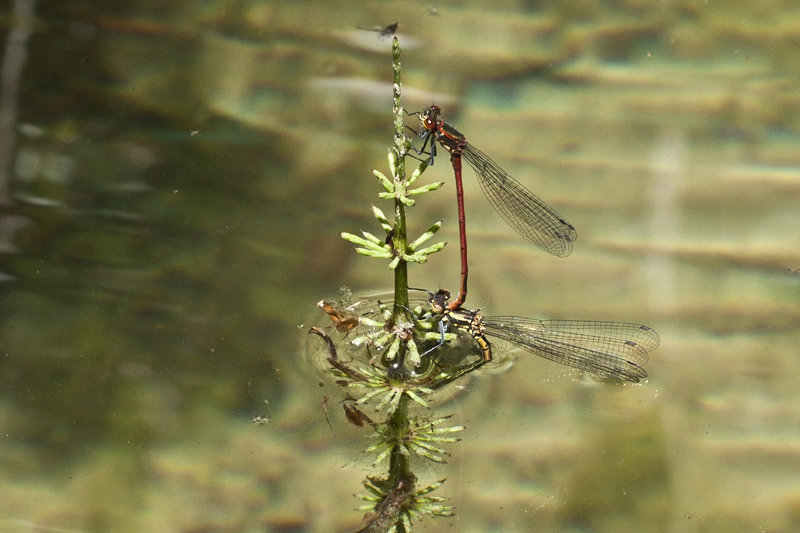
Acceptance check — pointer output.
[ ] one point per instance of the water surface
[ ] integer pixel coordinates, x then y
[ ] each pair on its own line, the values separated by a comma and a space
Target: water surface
174, 182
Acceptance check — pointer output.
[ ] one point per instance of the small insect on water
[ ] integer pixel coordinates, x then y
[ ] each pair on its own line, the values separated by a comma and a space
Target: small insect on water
343, 319
383, 33
356, 416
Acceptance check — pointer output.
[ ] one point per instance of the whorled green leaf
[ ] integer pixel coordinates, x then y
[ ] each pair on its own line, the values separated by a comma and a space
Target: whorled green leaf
369, 241
408, 202
426, 188
417, 398
426, 236
421, 256
413, 353
391, 353
386, 182
428, 452
418, 172
373, 253
392, 162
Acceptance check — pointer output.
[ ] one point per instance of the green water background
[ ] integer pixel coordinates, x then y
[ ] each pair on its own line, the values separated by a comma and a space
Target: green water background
177, 176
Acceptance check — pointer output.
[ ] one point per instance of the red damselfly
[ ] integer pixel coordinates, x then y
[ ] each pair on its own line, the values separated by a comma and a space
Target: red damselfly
520, 208
606, 349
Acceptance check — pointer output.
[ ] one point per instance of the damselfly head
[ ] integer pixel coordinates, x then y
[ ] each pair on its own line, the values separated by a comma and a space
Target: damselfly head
430, 117
438, 301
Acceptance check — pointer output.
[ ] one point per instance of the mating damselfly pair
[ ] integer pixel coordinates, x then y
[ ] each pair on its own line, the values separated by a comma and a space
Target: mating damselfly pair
616, 350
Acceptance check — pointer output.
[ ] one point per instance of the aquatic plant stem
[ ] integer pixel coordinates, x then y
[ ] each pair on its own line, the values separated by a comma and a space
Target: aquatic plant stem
399, 239
400, 459
399, 462
395, 375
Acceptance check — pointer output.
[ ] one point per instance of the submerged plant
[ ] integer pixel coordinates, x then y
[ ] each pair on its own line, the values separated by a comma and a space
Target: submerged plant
390, 357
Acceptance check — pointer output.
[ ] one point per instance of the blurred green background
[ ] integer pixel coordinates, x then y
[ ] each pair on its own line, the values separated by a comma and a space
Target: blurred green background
173, 179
